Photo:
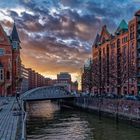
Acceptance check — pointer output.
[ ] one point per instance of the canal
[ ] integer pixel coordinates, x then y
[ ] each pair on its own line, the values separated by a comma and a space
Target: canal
48, 121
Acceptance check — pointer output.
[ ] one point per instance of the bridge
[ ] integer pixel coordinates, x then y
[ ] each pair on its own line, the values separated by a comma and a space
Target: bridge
46, 93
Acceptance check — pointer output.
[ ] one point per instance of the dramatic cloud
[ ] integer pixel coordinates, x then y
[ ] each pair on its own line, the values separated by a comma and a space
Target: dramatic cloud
57, 35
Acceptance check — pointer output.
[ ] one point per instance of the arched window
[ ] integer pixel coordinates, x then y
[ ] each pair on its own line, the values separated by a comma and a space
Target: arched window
118, 43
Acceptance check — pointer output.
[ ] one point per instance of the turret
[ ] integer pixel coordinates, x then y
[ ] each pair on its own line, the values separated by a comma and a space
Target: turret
15, 38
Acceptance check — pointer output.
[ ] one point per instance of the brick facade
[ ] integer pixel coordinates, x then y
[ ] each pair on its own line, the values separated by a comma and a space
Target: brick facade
10, 63
116, 59
5, 64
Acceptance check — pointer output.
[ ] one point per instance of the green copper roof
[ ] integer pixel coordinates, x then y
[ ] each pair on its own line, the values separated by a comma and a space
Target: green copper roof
123, 26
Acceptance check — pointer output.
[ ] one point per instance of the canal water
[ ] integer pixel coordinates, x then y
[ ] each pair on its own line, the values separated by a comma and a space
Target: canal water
47, 121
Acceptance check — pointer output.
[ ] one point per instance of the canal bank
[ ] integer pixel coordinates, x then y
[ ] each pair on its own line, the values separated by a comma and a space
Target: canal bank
48, 120
10, 119
117, 109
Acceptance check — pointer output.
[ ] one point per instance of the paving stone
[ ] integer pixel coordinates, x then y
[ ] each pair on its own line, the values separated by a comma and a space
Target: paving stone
8, 122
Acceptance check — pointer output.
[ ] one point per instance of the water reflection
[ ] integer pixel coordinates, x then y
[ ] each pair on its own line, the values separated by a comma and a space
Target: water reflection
43, 109
47, 122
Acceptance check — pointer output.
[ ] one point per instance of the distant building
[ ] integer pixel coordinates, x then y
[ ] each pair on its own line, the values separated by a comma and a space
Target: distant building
25, 79
64, 80
36, 79
74, 86
86, 77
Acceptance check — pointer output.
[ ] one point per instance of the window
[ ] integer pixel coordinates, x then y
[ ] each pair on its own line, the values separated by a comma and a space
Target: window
2, 52
118, 43
1, 74
124, 39
8, 75
132, 45
15, 45
103, 51
133, 55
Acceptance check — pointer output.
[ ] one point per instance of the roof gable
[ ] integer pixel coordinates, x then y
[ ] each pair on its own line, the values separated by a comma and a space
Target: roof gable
137, 13
105, 35
97, 39
3, 37
123, 26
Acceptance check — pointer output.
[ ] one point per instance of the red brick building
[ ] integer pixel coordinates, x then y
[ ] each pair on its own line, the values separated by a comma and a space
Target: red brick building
10, 63
14, 77
116, 59
25, 79
86, 77
36, 79
5, 64
16, 61
63, 80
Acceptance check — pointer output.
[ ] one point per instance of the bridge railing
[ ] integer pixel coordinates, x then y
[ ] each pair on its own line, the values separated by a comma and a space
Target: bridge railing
46, 92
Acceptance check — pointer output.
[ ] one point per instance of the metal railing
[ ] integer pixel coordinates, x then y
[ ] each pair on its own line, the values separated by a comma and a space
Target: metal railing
23, 137
24, 117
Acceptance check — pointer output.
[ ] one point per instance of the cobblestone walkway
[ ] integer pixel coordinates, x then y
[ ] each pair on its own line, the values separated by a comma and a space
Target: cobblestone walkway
8, 121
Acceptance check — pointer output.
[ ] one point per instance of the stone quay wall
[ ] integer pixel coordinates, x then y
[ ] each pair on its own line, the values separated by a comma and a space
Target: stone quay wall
118, 108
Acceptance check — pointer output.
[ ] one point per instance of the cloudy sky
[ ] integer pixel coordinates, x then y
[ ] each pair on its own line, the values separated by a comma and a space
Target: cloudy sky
57, 35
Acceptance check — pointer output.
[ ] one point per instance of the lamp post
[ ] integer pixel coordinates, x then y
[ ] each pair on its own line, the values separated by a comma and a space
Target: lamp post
17, 97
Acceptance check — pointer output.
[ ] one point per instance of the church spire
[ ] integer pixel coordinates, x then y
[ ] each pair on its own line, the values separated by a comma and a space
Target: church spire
14, 34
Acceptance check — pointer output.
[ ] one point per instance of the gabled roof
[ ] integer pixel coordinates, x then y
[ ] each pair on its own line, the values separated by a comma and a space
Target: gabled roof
137, 13
4, 38
104, 30
105, 35
123, 26
97, 39
14, 34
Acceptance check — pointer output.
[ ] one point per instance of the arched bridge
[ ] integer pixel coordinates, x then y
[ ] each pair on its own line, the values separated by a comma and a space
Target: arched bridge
46, 93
